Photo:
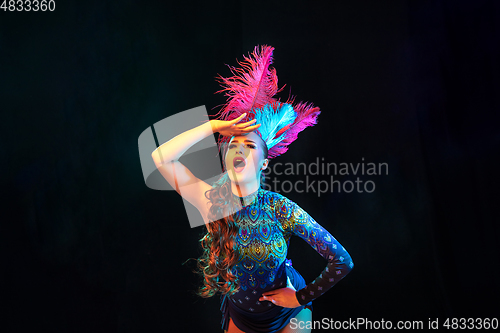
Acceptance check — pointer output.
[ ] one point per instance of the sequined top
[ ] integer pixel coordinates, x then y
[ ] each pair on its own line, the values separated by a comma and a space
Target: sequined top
266, 222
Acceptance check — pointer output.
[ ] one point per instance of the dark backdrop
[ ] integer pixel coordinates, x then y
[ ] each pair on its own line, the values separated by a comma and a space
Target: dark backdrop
88, 247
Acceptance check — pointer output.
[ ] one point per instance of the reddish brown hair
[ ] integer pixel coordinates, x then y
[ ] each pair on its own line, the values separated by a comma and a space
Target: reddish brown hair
220, 251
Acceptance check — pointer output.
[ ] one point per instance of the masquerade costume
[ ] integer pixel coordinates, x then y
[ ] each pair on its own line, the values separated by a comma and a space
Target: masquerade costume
265, 227
267, 219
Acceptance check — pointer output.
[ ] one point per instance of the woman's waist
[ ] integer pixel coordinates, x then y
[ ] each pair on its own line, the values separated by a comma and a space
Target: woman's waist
253, 285
247, 298
259, 277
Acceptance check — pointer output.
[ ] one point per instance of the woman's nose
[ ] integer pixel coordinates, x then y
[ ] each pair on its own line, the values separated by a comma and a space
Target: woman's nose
239, 148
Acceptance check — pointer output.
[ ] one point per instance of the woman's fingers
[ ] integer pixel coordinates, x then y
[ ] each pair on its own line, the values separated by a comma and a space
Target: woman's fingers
235, 120
246, 124
284, 297
251, 128
269, 298
232, 127
270, 295
245, 130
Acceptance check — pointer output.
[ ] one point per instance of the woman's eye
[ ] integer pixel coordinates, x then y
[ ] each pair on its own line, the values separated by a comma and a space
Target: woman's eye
233, 145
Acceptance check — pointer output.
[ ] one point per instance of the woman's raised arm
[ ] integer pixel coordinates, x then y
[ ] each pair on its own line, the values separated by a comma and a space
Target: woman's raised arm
166, 158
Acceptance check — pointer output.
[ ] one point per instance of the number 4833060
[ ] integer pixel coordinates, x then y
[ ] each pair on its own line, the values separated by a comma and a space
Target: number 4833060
28, 5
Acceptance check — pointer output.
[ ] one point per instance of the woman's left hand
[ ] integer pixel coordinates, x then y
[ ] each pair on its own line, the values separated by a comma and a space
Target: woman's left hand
284, 297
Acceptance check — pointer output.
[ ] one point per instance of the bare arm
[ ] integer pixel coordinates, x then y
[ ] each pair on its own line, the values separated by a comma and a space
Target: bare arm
177, 175
173, 149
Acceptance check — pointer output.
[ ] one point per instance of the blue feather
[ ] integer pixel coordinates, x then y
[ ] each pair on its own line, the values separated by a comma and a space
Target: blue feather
272, 121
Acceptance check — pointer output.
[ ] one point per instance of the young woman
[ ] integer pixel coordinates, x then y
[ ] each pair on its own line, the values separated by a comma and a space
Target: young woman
246, 245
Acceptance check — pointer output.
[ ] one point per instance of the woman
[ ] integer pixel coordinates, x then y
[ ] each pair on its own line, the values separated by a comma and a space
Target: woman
248, 228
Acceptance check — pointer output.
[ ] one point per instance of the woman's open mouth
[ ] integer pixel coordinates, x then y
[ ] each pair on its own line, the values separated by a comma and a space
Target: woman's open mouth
239, 163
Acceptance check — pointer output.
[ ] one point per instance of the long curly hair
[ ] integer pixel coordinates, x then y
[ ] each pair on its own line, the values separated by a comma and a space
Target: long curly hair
220, 252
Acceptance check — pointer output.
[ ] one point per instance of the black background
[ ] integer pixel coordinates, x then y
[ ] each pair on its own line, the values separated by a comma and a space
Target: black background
88, 247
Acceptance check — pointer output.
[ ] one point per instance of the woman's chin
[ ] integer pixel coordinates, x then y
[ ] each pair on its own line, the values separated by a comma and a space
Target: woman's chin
238, 180
237, 177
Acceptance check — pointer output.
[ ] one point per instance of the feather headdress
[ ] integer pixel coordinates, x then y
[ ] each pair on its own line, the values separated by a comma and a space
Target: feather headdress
252, 90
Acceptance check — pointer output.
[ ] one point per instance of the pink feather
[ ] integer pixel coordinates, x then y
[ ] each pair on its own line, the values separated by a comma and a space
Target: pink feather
307, 115
252, 86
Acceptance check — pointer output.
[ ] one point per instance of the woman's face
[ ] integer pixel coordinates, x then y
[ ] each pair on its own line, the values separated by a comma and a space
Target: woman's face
245, 158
